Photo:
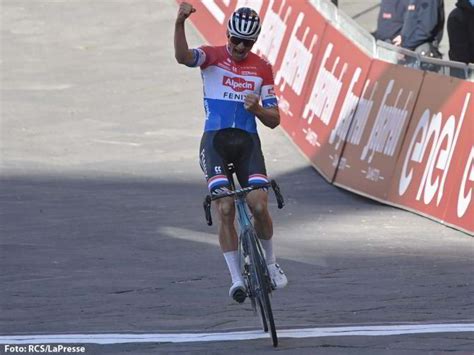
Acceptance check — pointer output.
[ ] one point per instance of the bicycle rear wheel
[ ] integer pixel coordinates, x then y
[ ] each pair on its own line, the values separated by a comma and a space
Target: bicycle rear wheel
262, 287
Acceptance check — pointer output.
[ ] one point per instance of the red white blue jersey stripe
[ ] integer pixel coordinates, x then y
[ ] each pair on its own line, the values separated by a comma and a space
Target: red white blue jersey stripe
256, 179
215, 181
226, 83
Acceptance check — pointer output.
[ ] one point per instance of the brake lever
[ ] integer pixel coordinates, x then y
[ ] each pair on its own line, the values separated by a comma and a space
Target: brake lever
207, 210
278, 195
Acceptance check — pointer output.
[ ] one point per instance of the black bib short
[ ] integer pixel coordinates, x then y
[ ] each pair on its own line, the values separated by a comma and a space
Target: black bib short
232, 145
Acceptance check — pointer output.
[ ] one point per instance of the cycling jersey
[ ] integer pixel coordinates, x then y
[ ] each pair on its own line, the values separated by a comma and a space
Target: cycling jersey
227, 82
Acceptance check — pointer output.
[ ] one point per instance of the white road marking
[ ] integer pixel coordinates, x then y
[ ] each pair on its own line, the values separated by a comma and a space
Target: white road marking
40, 87
117, 338
132, 144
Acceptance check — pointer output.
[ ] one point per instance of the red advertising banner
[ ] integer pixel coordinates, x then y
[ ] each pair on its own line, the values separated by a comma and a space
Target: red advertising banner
331, 102
460, 210
377, 130
436, 152
291, 39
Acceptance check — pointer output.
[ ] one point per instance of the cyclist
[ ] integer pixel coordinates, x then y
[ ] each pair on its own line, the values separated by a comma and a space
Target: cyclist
235, 80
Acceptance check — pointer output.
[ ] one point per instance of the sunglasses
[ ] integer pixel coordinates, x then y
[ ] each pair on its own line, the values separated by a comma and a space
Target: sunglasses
247, 42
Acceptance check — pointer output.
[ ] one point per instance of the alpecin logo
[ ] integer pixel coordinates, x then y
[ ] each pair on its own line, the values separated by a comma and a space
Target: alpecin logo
238, 84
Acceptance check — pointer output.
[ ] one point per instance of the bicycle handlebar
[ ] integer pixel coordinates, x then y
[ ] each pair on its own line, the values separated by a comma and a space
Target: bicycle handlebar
241, 193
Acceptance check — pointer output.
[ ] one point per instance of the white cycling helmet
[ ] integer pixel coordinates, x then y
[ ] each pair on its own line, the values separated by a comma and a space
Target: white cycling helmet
244, 23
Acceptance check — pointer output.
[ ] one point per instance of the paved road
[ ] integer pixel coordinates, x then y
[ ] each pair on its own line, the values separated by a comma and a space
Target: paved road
101, 223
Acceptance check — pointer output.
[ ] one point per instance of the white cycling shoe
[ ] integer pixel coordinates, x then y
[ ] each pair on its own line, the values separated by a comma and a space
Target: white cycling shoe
238, 291
277, 275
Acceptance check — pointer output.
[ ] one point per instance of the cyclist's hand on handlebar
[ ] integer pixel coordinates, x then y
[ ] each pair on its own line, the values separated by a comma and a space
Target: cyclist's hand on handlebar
185, 10
252, 103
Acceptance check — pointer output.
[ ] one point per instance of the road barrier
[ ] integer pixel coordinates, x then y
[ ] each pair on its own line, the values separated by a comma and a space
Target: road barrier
374, 119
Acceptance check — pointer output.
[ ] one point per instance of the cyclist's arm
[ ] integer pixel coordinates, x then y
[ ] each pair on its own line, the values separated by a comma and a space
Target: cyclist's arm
269, 116
182, 53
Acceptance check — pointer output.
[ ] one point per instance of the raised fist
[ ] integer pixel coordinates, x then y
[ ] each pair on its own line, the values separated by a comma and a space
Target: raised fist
185, 10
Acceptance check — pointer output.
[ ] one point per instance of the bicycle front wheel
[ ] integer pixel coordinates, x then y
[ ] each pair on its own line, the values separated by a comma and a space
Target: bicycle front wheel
261, 312
262, 287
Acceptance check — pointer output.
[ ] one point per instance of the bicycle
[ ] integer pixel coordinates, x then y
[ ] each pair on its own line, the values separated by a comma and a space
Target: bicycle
252, 262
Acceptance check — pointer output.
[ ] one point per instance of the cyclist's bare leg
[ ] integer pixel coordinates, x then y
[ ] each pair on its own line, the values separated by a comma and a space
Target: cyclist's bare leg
258, 203
227, 234
229, 244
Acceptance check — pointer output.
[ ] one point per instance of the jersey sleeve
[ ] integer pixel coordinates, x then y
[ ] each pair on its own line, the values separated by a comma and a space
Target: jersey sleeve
203, 56
268, 96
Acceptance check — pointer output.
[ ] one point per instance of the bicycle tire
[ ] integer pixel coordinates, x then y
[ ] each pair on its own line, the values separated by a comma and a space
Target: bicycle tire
263, 289
265, 300
263, 318
259, 305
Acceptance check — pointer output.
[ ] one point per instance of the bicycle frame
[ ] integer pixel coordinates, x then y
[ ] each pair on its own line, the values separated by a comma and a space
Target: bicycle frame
243, 215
